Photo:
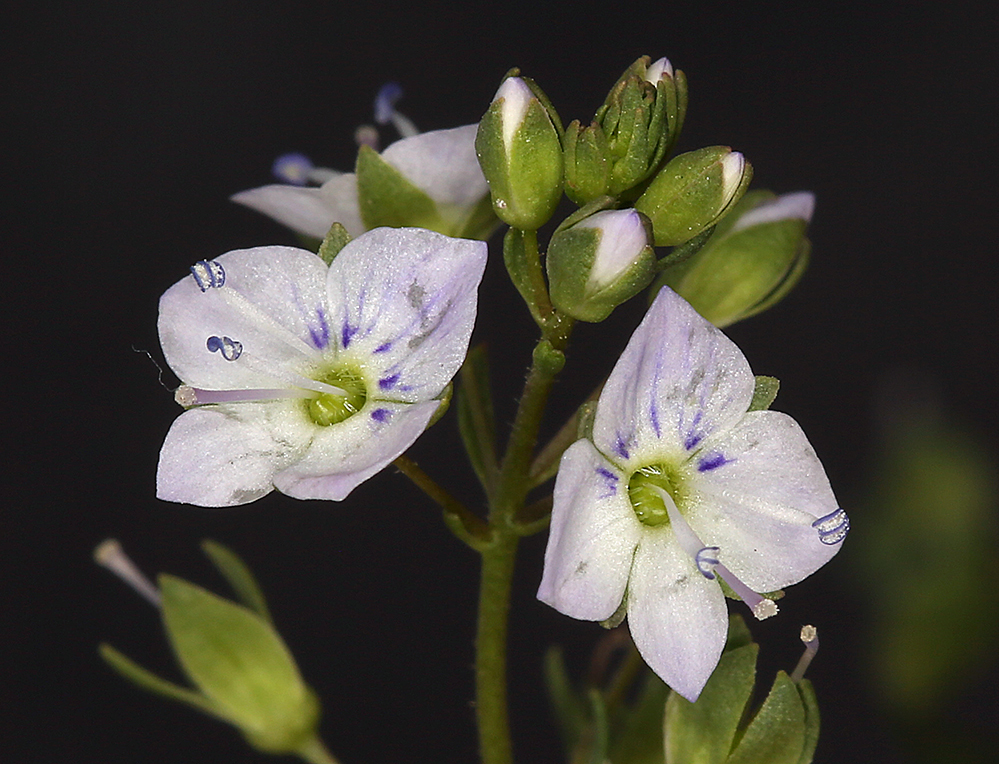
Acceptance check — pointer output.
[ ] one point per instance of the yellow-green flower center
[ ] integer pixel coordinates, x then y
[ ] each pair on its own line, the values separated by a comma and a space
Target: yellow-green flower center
645, 501
328, 408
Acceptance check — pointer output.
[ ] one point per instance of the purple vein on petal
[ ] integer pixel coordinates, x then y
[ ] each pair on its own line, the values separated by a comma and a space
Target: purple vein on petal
321, 334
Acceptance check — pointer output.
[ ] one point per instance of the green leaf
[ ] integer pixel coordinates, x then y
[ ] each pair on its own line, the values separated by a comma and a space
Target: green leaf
239, 576
147, 680
703, 732
240, 663
811, 705
777, 733
640, 739
336, 239
764, 393
476, 419
387, 198
570, 711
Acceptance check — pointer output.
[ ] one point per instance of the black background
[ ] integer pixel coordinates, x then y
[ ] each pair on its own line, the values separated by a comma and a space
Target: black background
133, 122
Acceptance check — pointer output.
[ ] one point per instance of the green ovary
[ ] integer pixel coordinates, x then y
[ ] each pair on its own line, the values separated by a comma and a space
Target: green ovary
329, 408
646, 502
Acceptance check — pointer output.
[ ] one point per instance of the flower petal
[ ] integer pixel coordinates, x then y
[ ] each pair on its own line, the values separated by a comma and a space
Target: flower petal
224, 456
404, 302
678, 381
344, 455
443, 164
593, 536
758, 504
286, 289
677, 617
309, 211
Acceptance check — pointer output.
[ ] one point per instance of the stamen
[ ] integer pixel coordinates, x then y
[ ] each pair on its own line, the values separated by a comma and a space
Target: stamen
366, 135
833, 527
110, 555
257, 316
228, 347
188, 396
298, 170
385, 110
208, 274
810, 636
690, 543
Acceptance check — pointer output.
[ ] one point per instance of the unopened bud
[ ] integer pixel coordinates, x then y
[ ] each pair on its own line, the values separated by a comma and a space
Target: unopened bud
520, 152
752, 260
599, 263
693, 191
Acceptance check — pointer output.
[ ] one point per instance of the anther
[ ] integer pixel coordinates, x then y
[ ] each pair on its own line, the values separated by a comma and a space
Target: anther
110, 555
706, 560
385, 110
208, 274
810, 636
833, 527
298, 170
228, 347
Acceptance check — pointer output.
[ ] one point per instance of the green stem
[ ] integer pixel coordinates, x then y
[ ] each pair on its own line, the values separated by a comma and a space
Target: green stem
490, 650
465, 524
498, 557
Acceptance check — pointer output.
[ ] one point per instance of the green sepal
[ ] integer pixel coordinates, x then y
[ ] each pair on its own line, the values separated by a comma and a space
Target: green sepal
147, 680
239, 576
587, 166
480, 222
789, 282
476, 417
336, 239
586, 413
776, 735
241, 664
703, 732
764, 393
570, 711
520, 270
444, 403
639, 738
387, 198
618, 616
811, 706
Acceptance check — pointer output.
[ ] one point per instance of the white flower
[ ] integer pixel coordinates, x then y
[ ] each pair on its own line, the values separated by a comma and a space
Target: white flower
680, 483
308, 378
441, 163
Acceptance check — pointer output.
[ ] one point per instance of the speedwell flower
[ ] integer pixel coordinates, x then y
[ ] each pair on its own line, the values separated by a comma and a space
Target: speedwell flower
308, 378
440, 164
680, 485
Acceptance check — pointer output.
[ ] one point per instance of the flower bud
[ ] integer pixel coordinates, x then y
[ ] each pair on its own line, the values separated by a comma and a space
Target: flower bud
693, 191
520, 152
640, 119
241, 665
587, 162
751, 261
599, 263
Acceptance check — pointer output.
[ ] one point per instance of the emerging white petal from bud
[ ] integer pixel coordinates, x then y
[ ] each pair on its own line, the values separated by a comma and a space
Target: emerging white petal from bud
658, 70
622, 239
516, 97
798, 205
733, 168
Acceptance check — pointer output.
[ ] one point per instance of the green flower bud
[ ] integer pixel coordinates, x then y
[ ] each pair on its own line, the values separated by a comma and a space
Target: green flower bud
520, 152
751, 260
241, 670
693, 191
587, 162
599, 263
242, 666
640, 119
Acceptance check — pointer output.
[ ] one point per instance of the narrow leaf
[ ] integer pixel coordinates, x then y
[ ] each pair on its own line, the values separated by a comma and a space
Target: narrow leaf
147, 680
